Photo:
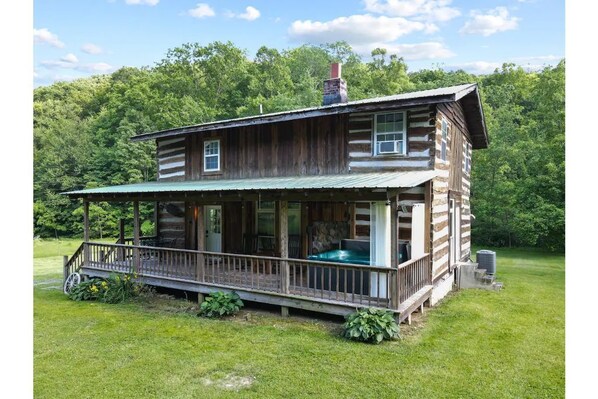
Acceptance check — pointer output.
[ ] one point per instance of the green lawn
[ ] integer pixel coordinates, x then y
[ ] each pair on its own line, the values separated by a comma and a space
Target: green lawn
482, 344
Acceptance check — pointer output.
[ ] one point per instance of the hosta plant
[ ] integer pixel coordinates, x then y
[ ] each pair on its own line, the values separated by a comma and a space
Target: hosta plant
371, 325
220, 304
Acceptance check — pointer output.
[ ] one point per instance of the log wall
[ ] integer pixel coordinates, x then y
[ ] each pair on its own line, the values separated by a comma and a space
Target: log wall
453, 181
171, 167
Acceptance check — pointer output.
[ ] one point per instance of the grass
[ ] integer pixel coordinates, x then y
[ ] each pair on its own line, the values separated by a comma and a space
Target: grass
483, 344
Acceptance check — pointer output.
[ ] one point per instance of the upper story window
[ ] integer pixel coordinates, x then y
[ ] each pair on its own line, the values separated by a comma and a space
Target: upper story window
443, 145
390, 134
211, 156
467, 158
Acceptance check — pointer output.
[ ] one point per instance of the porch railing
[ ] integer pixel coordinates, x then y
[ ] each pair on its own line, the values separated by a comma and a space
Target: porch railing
359, 285
413, 275
74, 263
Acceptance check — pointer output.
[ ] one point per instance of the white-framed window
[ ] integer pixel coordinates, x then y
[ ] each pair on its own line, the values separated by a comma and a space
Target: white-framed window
443, 145
467, 158
390, 133
211, 156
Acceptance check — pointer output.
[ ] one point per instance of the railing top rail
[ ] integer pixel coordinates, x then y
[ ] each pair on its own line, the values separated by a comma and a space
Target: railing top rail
293, 260
75, 255
141, 238
412, 261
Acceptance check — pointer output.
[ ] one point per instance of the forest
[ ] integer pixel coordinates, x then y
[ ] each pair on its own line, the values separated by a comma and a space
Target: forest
82, 129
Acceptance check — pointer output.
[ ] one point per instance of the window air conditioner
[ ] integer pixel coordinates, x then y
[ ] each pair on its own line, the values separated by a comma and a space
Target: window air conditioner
389, 147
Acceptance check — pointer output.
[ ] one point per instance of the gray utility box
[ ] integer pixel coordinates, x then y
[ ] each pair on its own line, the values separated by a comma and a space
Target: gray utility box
486, 260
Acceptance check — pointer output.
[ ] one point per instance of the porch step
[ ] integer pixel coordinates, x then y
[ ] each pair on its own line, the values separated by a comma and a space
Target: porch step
413, 303
469, 276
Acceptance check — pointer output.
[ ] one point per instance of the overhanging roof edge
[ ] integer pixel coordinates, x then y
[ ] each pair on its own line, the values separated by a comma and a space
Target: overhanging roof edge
381, 180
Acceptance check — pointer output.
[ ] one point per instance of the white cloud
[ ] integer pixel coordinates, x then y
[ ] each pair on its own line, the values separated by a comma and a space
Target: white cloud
202, 10
428, 10
70, 58
142, 2
91, 48
68, 62
533, 63
355, 29
496, 20
476, 67
410, 52
45, 36
250, 14
99, 67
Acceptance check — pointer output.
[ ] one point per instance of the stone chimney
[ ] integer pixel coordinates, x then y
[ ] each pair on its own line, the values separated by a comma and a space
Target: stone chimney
335, 88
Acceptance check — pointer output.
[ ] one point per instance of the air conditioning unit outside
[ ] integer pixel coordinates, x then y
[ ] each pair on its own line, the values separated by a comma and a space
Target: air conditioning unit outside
389, 147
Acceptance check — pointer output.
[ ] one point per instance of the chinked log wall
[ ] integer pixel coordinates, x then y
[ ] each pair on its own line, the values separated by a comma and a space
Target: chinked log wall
452, 179
459, 178
171, 167
420, 143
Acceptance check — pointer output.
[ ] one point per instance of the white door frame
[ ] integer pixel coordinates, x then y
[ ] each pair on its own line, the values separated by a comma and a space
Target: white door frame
209, 244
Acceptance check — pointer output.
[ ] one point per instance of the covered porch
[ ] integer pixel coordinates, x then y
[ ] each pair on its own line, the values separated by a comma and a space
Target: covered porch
275, 264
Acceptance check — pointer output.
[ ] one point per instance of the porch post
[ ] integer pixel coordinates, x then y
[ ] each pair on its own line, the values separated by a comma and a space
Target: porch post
86, 231
121, 239
156, 217
201, 242
136, 240
283, 240
394, 255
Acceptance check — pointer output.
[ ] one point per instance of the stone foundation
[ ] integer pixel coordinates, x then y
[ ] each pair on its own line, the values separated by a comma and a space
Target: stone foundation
328, 235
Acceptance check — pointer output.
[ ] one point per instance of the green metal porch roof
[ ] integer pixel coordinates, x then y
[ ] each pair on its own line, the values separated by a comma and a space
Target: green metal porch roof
382, 180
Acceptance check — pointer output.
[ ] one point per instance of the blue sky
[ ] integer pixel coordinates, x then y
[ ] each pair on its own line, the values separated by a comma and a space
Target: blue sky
74, 38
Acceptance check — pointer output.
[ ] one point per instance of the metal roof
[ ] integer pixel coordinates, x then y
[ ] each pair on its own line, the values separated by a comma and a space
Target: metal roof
444, 94
347, 181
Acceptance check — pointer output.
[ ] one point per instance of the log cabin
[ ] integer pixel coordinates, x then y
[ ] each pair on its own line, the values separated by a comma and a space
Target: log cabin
349, 204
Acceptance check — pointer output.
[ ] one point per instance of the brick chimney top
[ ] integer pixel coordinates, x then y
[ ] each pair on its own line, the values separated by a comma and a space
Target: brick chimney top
335, 70
335, 88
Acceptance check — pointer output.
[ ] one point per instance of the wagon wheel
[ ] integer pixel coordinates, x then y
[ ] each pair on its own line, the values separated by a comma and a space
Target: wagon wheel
72, 280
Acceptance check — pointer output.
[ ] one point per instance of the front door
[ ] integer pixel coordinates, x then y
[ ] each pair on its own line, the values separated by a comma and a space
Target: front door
213, 228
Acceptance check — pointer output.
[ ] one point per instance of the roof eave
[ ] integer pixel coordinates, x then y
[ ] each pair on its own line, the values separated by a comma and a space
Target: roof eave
303, 114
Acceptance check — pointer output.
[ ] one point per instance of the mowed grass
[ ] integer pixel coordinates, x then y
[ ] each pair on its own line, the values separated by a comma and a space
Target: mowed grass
476, 344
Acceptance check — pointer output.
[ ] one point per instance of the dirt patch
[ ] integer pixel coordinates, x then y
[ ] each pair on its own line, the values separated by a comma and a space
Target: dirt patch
230, 382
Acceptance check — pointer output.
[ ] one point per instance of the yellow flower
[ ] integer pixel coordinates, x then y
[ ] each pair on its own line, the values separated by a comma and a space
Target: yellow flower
94, 288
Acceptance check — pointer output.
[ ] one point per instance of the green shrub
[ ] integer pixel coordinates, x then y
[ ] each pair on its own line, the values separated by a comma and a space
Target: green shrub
371, 325
220, 304
114, 289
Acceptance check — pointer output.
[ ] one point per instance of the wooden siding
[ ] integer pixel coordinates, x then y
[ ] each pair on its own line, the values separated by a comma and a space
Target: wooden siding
420, 143
294, 148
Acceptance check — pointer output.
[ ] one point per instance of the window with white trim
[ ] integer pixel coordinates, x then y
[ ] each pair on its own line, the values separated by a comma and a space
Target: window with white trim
444, 139
390, 134
211, 156
467, 158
